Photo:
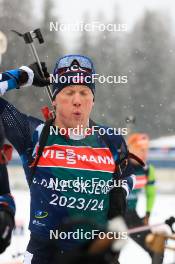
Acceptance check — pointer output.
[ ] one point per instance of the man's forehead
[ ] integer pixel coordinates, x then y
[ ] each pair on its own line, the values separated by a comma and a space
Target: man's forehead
76, 88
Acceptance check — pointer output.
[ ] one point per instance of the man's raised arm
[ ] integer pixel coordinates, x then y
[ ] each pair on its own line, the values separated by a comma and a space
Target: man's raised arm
24, 76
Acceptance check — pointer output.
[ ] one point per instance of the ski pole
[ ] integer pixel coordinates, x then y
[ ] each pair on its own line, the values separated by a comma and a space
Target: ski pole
143, 228
29, 39
115, 225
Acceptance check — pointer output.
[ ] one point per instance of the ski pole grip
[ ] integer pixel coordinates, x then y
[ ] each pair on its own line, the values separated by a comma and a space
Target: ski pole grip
39, 35
28, 38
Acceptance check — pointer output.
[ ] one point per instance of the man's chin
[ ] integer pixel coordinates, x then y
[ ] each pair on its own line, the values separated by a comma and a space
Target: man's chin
77, 121
77, 124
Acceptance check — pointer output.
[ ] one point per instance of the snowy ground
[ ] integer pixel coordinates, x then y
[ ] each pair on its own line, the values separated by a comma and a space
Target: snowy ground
164, 207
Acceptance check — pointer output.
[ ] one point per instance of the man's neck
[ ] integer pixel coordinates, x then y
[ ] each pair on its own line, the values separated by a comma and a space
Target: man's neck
76, 132
60, 124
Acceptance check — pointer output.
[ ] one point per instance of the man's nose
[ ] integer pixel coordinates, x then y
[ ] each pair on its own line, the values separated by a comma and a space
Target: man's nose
77, 99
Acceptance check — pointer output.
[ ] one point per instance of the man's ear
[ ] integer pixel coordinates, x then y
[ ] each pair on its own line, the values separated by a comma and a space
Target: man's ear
54, 103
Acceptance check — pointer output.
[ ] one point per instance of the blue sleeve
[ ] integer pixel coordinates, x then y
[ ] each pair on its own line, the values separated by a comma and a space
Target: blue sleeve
4, 181
9, 80
128, 177
124, 168
7, 202
18, 127
128, 182
2, 136
119, 150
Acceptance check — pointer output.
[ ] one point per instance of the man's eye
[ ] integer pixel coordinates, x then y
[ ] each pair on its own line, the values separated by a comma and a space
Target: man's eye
84, 93
69, 92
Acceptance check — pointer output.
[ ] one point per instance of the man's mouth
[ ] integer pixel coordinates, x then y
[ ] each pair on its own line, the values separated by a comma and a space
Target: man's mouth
77, 113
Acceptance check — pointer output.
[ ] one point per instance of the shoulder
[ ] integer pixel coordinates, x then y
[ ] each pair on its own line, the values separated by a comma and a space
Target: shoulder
114, 140
113, 134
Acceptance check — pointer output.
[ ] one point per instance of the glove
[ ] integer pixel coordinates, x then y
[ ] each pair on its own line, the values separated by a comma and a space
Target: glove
6, 226
38, 80
117, 202
171, 222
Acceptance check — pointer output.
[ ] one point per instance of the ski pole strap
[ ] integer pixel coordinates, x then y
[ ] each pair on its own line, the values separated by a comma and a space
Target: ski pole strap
42, 143
133, 156
120, 153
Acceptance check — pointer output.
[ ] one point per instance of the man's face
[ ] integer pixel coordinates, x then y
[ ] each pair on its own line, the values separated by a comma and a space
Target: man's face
73, 106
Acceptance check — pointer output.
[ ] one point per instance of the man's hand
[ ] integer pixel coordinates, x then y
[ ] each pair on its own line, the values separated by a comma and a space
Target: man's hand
37, 78
6, 227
